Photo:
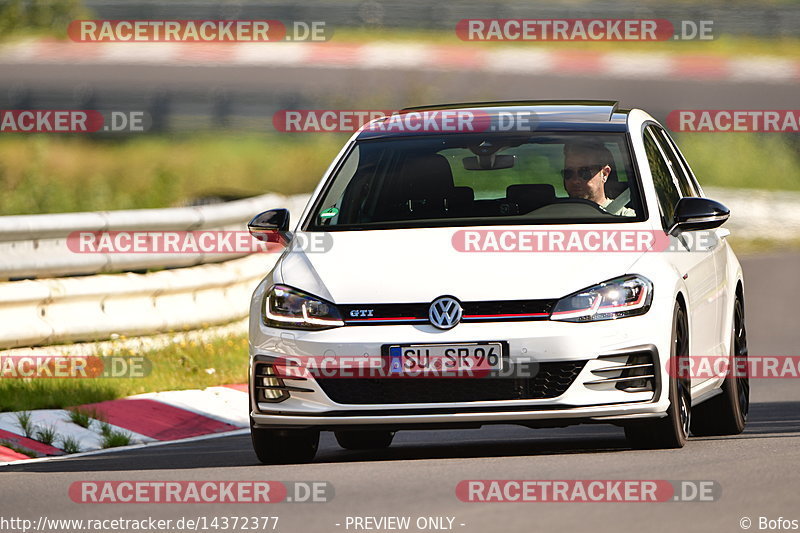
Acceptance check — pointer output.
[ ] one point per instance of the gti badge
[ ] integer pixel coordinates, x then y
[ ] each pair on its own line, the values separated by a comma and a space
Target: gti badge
445, 312
355, 313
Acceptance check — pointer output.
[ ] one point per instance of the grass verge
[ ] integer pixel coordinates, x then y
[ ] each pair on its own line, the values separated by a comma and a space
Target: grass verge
82, 417
70, 445
186, 365
25, 424
112, 438
50, 174
743, 160
46, 435
761, 246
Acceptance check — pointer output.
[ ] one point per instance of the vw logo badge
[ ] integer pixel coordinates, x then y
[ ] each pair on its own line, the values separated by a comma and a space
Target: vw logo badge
445, 312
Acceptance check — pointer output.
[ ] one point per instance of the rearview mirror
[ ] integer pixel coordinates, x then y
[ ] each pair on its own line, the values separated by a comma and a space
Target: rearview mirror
693, 214
489, 162
270, 226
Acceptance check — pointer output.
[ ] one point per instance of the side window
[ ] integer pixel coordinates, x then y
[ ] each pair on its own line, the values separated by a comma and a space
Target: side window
335, 196
684, 165
675, 163
668, 194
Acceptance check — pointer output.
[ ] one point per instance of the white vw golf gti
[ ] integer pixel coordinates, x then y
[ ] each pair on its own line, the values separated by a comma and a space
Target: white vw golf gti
480, 269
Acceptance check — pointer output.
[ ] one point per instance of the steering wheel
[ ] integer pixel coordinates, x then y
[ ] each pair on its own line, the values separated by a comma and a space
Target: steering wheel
579, 209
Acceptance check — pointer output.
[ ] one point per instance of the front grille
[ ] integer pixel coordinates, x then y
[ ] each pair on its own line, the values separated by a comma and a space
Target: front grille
507, 309
411, 313
551, 380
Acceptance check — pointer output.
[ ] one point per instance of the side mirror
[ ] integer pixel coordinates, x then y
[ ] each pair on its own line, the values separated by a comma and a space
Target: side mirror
693, 214
270, 226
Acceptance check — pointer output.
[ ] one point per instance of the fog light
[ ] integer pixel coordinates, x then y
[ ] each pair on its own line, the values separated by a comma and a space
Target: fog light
273, 392
269, 387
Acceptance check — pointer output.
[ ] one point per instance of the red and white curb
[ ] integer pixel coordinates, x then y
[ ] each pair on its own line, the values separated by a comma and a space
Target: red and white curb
146, 418
414, 56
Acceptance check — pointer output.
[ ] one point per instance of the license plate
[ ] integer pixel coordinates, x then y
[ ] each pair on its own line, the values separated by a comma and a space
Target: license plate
446, 358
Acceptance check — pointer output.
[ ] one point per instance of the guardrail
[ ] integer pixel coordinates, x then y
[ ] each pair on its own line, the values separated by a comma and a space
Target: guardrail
52, 311
35, 246
40, 312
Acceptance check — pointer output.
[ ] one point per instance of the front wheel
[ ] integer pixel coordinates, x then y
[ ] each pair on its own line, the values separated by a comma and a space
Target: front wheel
672, 430
284, 446
726, 414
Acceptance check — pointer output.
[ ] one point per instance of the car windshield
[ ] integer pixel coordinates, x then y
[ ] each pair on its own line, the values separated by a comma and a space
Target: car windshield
473, 179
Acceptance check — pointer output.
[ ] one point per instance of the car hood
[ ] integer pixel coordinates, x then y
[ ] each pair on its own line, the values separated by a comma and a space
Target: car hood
419, 265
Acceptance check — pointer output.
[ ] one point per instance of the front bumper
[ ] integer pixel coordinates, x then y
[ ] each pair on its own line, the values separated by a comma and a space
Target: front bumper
601, 345
613, 414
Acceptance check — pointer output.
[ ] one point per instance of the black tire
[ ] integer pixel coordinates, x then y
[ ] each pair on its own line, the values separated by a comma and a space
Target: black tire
726, 414
284, 446
364, 439
670, 431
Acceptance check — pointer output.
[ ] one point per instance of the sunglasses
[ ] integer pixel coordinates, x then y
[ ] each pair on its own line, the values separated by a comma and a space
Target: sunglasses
584, 173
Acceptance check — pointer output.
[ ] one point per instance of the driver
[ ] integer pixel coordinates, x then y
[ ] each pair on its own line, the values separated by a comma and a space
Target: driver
587, 167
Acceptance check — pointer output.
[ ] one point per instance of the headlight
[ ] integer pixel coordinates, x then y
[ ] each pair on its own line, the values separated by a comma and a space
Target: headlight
285, 307
615, 298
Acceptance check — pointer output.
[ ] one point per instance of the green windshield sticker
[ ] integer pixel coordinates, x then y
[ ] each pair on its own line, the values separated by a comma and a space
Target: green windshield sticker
329, 213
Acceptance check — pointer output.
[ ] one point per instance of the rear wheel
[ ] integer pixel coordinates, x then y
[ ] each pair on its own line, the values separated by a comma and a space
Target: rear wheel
670, 431
284, 446
365, 439
726, 414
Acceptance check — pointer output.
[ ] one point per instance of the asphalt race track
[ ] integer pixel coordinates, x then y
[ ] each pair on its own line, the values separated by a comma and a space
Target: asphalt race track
417, 476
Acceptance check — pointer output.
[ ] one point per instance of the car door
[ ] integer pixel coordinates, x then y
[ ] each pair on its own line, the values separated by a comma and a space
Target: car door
695, 266
714, 241
711, 240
